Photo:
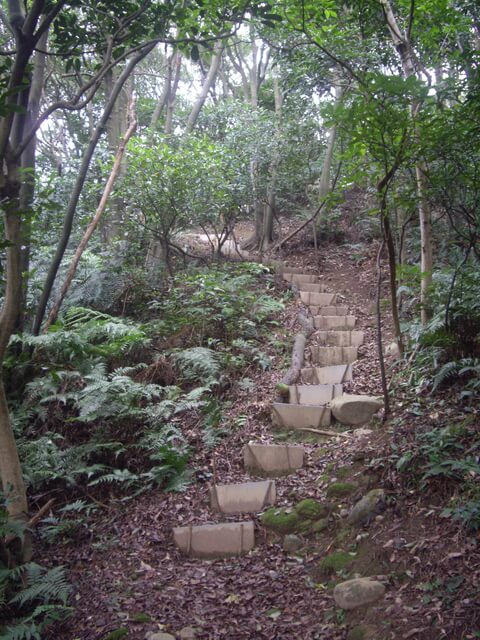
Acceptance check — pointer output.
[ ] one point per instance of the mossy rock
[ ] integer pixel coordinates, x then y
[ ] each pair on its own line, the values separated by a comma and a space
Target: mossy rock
335, 562
281, 520
311, 509
117, 634
320, 525
341, 489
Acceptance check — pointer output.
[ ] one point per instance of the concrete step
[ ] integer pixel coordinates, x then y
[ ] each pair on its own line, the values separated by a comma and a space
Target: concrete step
314, 393
329, 310
272, 459
318, 299
340, 323
341, 338
299, 416
301, 279
283, 268
215, 540
246, 497
336, 374
313, 287
327, 356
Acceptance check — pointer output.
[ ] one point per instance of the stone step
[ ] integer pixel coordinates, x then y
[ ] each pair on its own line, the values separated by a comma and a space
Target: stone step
341, 338
336, 374
301, 278
215, 540
318, 299
299, 416
272, 459
355, 410
314, 393
326, 356
242, 498
340, 323
329, 310
313, 287
282, 268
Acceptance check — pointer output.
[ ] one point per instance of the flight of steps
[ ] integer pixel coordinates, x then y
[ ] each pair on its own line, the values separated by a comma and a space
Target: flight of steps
312, 404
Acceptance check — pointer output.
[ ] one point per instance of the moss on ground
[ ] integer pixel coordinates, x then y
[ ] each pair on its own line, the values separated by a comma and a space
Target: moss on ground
341, 489
307, 517
281, 520
335, 562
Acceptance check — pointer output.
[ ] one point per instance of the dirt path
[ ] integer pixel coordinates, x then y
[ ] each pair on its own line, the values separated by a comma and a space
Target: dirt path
129, 575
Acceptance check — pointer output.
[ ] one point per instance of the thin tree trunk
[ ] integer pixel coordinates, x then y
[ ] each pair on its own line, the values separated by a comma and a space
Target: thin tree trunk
207, 85
381, 359
75, 195
162, 101
324, 185
403, 46
117, 165
27, 188
172, 93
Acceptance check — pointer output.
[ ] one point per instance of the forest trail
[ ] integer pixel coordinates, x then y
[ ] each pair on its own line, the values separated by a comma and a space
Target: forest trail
130, 576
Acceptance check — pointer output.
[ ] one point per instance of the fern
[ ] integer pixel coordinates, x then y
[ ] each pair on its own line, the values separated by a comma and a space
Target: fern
198, 364
456, 369
41, 585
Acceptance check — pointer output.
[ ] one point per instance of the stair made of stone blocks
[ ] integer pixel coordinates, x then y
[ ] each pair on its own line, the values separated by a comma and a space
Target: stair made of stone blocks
313, 393
245, 497
334, 323
340, 338
329, 310
319, 299
327, 356
212, 541
300, 416
335, 374
272, 460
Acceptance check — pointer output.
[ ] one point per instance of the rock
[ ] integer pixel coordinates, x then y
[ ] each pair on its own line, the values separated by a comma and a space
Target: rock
357, 593
159, 636
367, 508
393, 350
341, 489
291, 542
187, 633
354, 409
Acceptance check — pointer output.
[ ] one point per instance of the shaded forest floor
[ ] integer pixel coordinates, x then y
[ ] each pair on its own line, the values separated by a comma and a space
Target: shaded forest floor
127, 574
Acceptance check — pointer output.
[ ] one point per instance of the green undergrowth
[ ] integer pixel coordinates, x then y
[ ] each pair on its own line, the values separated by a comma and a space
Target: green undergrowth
103, 400
106, 407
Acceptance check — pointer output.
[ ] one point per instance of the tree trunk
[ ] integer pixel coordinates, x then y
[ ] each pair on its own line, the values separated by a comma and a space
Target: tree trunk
207, 84
74, 197
116, 169
27, 188
172, 92
324, 185
116, 125
404, 48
